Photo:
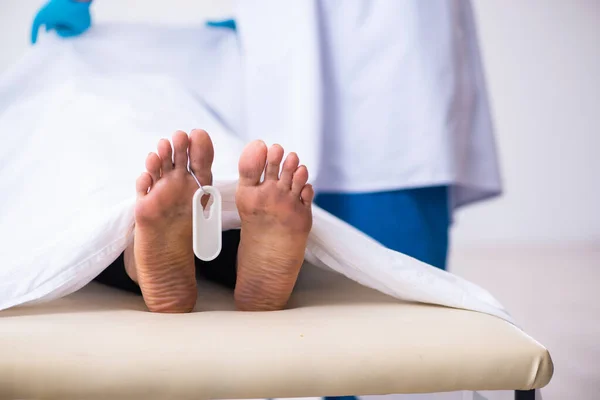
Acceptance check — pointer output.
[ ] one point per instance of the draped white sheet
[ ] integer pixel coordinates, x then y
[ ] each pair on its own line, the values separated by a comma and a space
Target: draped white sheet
77, 119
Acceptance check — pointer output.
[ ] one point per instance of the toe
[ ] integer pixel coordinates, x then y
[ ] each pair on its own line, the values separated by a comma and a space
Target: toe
274, 158
166, 155
153, 163
307, 195
299, 180
202, 154
180, 149
252, 163
289, 167
142, 184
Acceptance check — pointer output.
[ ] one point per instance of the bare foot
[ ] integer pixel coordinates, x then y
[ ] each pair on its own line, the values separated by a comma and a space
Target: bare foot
162, 259
276, 219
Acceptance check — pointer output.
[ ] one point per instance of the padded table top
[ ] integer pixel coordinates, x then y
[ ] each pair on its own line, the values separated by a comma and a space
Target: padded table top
337, 338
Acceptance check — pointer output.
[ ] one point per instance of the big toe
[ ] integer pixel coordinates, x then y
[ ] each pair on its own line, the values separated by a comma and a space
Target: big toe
252, 163
202, 154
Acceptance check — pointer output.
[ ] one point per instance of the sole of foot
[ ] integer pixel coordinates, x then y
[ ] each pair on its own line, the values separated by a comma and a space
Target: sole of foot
162, 259
276, 215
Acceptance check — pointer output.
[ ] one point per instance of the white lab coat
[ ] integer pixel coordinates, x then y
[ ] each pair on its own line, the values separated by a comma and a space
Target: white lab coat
375, 95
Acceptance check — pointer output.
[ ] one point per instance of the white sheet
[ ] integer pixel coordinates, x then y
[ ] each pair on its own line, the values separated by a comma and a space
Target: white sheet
77, 119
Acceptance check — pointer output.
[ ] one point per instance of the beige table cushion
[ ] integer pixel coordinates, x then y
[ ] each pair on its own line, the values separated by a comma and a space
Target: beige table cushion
337, 338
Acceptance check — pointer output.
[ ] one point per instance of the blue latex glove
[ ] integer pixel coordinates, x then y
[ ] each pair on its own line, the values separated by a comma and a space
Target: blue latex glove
225, 23
67, 17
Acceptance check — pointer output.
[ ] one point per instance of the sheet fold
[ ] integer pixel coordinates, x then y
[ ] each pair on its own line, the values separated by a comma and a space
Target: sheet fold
75, 134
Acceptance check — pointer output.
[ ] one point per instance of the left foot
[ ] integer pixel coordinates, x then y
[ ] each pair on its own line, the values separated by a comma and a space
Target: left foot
276, 219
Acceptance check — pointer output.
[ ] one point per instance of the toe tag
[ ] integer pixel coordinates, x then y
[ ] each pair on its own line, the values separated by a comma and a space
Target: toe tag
207, 224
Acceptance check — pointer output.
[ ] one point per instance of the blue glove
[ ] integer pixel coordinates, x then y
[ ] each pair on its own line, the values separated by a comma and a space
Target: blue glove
67, 17
225, 23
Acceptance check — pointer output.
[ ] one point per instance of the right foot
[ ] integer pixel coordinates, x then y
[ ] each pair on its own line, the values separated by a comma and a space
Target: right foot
162, 260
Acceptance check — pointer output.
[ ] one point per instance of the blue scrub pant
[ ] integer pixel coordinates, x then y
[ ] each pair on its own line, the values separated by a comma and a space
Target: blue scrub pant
413, 221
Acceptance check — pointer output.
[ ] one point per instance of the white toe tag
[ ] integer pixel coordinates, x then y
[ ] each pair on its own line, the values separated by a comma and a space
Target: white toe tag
207, 224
